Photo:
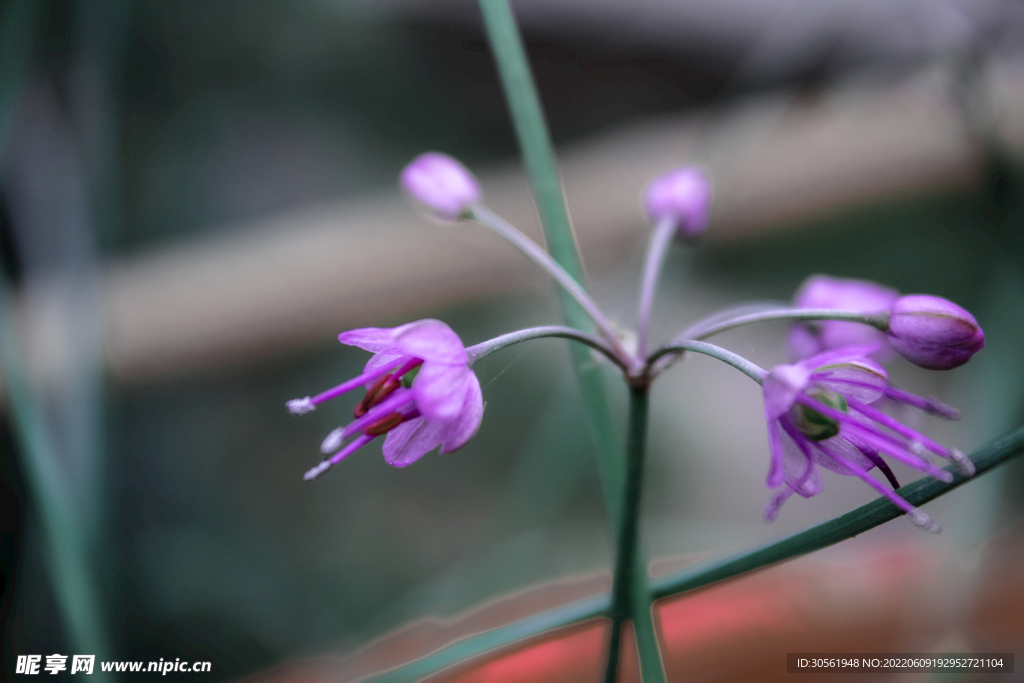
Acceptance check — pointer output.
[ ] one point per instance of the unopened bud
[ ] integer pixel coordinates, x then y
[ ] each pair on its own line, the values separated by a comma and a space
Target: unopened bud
441, 184
682, 196
934, 333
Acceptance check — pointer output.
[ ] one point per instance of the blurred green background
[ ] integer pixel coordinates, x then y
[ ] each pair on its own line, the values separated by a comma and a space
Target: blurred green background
144, 128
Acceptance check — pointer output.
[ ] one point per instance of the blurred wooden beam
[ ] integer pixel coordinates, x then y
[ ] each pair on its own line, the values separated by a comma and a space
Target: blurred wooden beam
302, 277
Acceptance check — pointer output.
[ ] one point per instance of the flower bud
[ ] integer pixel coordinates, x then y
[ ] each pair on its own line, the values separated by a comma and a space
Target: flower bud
684, 196
807, 339
441, 184
934, 333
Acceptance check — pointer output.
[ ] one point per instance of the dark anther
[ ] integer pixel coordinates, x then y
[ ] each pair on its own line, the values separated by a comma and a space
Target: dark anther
384, 425
380, 390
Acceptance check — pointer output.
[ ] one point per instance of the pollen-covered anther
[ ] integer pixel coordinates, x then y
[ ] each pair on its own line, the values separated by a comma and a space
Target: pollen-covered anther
333, 441
300, 406
384, 425
923, 521
963, 463
317, 471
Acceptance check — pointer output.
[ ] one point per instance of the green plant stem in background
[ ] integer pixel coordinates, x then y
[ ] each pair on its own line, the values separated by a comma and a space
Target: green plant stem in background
539, 159
846, 526
73, 583
631, 596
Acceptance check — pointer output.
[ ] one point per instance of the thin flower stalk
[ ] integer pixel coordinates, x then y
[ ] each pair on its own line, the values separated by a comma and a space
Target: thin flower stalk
654, 261
490, 219
483, 349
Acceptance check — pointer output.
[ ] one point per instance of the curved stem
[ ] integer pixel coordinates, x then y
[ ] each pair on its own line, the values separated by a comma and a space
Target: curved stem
654, 261
751, 370
876, 320
483, 349
493, 221
631, 596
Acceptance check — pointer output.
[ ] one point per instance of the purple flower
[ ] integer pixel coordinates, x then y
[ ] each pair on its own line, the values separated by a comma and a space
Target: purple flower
441, 184
821, 291
442, 407
934, 333
682, 196
819, 414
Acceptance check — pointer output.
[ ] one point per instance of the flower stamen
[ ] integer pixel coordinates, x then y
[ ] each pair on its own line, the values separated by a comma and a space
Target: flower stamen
384, 424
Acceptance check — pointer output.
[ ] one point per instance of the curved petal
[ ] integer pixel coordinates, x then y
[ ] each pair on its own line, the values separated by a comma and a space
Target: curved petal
375, 339
841, 446
431, 340
777, 452
781, 387
457, 433
410, 441
801, 473
440, 390
845, 354
862, 380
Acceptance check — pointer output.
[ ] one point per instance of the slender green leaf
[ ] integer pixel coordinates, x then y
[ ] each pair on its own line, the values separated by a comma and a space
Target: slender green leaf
829, 533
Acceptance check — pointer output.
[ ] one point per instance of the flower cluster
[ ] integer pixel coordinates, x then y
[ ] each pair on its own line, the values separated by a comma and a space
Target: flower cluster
822, 411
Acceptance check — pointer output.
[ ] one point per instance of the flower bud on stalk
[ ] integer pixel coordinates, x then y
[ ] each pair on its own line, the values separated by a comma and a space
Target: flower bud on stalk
441, 184
683, 196
934, 333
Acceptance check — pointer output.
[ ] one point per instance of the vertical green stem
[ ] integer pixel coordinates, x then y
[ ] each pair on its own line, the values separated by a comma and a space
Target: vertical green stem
631, 597
539, 159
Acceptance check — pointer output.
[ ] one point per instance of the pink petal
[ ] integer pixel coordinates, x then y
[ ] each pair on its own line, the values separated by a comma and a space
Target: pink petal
431, 340
441, 390
410, 441
781, 387
457, 433
375, 339
845, 354
777, 452
862, 380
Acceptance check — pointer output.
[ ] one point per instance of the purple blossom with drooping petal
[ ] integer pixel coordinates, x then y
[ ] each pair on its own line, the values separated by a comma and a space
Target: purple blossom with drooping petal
821, 291
933, 332
682, 196
442, 407
441, 184
819, 414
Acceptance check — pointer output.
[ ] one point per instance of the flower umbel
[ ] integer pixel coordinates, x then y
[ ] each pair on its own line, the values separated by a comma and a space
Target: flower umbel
442, 406
819, 413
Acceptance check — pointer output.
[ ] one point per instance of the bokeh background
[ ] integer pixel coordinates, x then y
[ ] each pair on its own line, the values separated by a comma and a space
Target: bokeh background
198, 196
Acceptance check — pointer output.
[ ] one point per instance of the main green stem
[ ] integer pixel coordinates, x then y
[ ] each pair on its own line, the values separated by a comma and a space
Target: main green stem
545, 182
631, 597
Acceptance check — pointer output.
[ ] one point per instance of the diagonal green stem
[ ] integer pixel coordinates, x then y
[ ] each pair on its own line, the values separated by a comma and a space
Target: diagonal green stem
846, 526
631, 597
73, 581
539, 160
